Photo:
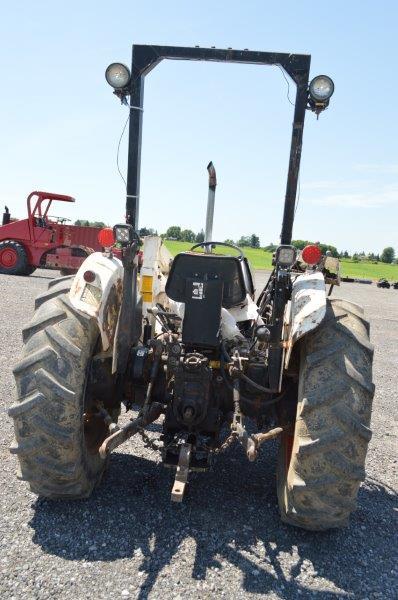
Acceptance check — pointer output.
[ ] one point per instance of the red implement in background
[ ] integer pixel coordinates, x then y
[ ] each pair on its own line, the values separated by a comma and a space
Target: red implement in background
44, 241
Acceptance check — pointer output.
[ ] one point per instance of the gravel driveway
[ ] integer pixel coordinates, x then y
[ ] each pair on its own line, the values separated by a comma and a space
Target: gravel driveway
225, 540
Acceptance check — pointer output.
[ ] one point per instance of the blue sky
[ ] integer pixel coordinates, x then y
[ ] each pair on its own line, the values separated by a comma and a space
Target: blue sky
60, 123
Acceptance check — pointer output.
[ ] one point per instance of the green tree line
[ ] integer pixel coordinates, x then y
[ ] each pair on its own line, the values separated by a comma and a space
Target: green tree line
175, 232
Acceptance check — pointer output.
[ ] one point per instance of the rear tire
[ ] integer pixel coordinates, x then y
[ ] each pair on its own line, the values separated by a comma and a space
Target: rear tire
29, 270
321, 465
51, 434
65, 272
13, 258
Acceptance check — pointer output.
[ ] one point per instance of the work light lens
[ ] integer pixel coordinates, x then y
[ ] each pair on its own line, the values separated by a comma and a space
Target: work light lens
117, 75
321, 88
122, 234
285, 256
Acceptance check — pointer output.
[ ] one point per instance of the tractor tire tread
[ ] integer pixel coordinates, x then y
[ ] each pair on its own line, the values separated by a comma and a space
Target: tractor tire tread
318, 489
58, 280
50, 386
53, 316
27, 446
48, 416
59, 340
41, 355
58, 286
26, 404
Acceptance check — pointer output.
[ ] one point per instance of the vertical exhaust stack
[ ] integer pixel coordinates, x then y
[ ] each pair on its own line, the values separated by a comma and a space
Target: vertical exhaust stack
210, 205
6, 216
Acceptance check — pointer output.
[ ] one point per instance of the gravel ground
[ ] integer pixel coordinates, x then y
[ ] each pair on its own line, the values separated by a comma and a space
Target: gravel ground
226, 540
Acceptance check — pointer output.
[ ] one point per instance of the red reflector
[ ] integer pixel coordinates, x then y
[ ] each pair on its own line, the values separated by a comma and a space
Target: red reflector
106, 237
89, 276
311, 255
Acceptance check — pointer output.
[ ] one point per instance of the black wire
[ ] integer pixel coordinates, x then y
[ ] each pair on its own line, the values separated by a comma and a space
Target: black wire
288, 84
228, 384
118, 150
255, 385
245, 398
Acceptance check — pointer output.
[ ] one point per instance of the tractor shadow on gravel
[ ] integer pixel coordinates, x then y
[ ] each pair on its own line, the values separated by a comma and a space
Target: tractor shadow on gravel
229, 517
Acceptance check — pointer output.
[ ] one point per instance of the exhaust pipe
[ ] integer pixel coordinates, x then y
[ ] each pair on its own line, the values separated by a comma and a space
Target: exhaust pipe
210, 205
6, 216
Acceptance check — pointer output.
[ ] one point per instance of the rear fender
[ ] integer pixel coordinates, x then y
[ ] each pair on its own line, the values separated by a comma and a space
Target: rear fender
101, 298
306, 309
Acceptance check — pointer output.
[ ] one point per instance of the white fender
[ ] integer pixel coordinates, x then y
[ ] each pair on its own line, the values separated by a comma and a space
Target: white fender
101, 298
306, 309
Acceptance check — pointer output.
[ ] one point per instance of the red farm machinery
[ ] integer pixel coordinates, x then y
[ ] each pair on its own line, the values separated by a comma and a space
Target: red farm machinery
44, 241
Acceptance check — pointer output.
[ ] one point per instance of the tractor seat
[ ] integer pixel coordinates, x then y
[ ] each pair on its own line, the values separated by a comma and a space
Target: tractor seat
40, 222
232, 271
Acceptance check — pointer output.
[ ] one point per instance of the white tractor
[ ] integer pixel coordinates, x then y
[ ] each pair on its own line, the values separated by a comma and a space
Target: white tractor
189, 343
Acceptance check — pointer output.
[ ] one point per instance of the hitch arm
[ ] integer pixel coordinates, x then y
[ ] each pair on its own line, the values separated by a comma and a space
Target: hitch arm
260, 438
181, 478
118, 437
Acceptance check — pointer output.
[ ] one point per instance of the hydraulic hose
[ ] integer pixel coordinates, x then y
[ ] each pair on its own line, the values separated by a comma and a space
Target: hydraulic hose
241, 375
255, 385
250, 381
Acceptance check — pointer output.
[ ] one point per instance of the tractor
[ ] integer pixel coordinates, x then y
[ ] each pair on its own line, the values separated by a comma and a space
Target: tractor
44, 241
383, 283
190, 344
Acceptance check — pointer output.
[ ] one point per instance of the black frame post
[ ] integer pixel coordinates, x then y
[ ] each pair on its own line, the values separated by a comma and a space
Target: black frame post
294, 161
134, 151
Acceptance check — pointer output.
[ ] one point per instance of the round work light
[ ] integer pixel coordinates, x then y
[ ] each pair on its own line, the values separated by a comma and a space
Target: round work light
118, 76
321, 88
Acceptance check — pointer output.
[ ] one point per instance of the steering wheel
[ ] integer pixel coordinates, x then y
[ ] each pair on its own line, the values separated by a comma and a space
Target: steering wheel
59, 219
205, 244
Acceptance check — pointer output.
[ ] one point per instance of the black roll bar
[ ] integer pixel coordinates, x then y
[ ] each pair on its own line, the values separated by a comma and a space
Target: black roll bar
147, 57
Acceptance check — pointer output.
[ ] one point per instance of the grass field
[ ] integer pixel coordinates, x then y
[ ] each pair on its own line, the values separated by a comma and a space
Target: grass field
262, 260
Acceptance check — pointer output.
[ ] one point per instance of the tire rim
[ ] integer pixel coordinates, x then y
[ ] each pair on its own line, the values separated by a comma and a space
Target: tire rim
95, 427
8, 258
288, 441
95, 431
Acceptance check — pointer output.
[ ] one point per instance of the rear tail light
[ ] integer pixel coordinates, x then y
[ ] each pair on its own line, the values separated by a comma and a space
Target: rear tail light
106, 237
89, 276
311, 254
